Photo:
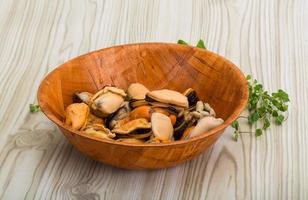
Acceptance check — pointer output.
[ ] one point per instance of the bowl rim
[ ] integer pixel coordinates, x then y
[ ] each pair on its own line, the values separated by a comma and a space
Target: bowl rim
218, 129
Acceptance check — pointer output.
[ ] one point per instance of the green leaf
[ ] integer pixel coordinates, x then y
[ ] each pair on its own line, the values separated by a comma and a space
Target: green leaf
281, 95
34, 108
275, 113
200, 44
284, 108
279, 119
253, 117
182, 42
258, 87
266, 123
235, 125
248, 77
261, 111
236, 135
258, 132
276, 104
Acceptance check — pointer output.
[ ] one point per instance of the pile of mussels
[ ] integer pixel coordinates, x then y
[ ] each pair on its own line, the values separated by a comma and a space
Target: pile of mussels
139, 115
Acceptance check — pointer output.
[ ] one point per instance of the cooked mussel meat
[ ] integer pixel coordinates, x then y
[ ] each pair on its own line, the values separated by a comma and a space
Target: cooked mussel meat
76, 115
137, 91
140, 116
162, 127
132, 125
169, 97
107, 101
205, 124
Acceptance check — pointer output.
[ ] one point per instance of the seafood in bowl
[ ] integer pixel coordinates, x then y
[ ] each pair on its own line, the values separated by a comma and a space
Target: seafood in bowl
138, 115
218, 83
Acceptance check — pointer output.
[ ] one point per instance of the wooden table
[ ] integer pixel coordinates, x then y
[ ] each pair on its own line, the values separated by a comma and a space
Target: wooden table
265, 38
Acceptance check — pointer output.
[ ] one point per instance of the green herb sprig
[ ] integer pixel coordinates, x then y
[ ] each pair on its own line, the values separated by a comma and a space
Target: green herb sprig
200, 43
34, 108
263, 108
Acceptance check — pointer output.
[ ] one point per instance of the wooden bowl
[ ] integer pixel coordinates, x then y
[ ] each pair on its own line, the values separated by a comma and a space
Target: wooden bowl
156, 65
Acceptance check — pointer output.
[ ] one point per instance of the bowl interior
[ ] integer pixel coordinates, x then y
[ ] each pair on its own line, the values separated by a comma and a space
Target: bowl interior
156, 65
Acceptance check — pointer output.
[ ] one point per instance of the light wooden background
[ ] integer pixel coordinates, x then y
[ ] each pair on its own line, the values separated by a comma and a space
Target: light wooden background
267, 38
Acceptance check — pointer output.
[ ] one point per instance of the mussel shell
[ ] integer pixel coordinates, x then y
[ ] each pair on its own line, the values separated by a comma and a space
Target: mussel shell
137, 134
136, 103
115, 116
158, 104
179, 127
191, 96
173, 110
172, 107
110, 117
140, 136
76, 98
149, 99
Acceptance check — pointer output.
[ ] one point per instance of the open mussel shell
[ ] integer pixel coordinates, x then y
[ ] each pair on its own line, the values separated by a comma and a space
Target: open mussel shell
191, 96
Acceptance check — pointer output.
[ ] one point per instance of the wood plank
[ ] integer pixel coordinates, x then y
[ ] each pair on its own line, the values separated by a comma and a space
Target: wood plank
268, 39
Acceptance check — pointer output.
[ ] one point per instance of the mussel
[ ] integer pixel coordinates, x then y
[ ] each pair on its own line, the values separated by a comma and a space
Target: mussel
132, 125
137, 91
205, 124
76, 115
140, 116
107, 101
162, 127
168, 97
209, 109
136, 103
99, 132
84, 97
121, 113
191, 96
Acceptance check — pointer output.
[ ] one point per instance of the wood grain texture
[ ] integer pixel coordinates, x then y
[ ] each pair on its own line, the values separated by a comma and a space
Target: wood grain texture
266, 38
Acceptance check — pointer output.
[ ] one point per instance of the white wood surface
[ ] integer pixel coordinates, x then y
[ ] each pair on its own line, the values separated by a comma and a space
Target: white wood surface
267, 38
